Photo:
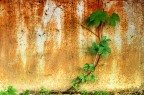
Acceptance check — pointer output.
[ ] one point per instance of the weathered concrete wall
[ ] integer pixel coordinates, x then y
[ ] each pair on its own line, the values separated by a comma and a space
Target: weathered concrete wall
43, 43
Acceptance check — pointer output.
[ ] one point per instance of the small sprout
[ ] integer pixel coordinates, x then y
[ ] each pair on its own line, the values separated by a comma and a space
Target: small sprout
3, 93
84, 92
44, 91
11, 91
27, 92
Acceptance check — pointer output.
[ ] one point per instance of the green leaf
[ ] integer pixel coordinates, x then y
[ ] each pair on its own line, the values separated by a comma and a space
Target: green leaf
44, 91
104, 16
96, 18
95, 45
3, 93
27, 92
97, 21
92, 16
116, 17
104, 51
94, 48
101, 93
11, 91
99, 12
89, 67
113, 23
104, 41
104, 38
104, 48
82, 77
93, 78
113, 19
84, 92
101, 50
88, 77
108, 49
47, 92
76, 85
86, 67
95, 14
105, 54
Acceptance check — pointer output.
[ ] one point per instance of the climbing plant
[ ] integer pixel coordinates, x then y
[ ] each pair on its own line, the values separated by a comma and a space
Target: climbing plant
100, 48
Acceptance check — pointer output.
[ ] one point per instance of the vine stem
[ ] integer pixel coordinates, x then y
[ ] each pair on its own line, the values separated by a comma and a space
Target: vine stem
89, 30
96, 61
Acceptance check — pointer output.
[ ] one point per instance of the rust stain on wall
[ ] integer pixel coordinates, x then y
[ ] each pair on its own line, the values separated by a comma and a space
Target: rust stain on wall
43, 43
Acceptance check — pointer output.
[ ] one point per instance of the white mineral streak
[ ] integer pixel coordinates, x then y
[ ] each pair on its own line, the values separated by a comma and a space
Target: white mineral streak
131, 27
59, 14
41, 38
118, 43
22, 43
113, 76
109, 4
50, 11
117, 38
41, 35
21, 37
80, 11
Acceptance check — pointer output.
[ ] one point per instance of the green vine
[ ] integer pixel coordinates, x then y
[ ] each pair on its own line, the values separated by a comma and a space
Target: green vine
97, 19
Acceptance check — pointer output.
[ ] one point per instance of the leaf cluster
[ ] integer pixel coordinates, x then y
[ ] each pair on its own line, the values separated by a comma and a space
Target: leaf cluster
10, 91
89, 67
98, 17
44, 91
102, 48
84, 92
82, 78
27, 92
85, 78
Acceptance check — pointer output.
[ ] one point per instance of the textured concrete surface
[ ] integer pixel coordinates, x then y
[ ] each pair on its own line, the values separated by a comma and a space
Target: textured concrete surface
43, 43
